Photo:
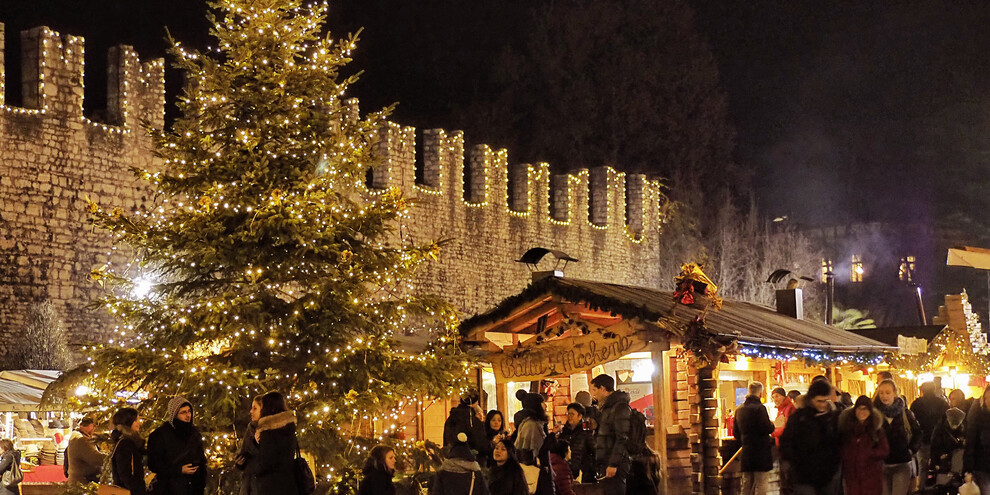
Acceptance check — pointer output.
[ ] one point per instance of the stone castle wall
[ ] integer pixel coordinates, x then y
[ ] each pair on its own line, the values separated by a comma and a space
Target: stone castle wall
52, 158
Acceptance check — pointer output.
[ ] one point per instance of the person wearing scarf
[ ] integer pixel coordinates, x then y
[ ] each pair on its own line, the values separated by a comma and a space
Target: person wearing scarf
864, 447
904, 437
176, 454
277, 445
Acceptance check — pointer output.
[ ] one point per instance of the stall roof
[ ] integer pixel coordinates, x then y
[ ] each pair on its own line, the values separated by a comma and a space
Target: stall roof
748, 323
21, 390
888, 335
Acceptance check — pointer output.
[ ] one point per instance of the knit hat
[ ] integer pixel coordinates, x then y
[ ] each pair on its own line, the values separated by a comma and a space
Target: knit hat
818, 389
460, 449
533, 402
174, 405
864, 401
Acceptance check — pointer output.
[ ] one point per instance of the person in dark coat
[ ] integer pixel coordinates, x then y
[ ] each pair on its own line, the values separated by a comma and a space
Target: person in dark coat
582, 443
563, 479
810, 443
494, 431
903, 435
611, 441
247, 456
948, 448
463, 418
929, 410
176, 454
277, 446
378, 472
460, 473
977, 457
753, 429
864, 447
506, 477
127, 456
8, 458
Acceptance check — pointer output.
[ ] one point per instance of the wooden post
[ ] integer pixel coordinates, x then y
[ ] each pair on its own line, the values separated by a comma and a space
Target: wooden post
502, 400
709, 431
661, 407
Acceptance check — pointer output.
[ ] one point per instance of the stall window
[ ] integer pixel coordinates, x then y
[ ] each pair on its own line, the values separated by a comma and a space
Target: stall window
491, 390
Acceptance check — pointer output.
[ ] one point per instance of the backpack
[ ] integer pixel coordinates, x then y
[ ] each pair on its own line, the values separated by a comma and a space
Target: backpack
637, 432
13, 476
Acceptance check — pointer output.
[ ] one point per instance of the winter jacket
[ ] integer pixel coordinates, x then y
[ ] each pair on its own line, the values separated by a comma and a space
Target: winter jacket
784, 411
752, 427
977, 457
864, 447
810, 443
275, 472
459, 477
582, 444
8, 459
170, 447
249, 468
563, 480
83, 462
507, 479
377, 482
463, 420
903, 437
127, 460
929, 411
945, 441
611, 443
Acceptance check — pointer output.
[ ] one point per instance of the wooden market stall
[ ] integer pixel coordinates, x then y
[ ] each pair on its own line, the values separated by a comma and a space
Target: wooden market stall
565, 330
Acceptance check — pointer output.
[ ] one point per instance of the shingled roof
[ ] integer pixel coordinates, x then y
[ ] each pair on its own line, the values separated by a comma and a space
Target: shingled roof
746, 322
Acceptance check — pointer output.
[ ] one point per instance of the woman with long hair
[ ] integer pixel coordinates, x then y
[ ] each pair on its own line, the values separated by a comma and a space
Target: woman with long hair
378, 472
976, 459
8, 459
247, 457
127, 457
903, 434
506, 476
864, 447
277, 445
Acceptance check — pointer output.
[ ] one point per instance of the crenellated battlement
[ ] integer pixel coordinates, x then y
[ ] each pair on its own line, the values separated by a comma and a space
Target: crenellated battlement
483, 179
53, 67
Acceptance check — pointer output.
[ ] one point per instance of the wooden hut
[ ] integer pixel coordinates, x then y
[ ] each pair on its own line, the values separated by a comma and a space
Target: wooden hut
694, 357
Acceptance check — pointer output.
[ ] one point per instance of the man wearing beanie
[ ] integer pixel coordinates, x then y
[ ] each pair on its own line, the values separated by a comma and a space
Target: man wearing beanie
176, 454
810, 443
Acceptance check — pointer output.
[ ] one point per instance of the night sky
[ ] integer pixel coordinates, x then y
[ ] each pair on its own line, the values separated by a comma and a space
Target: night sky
845, 111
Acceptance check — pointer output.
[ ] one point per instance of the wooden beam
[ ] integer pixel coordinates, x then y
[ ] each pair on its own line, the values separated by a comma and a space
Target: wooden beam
660, 409
477, 333
523, 319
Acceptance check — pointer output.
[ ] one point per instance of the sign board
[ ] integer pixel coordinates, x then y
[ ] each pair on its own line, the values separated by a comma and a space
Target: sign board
909, 346
562, 357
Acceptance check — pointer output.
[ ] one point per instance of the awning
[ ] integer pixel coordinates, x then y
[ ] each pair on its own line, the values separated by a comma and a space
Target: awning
21, 390
746, 322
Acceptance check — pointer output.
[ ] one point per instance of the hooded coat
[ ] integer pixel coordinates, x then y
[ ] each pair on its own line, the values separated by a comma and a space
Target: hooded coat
810, 443
127, 460
902, 429
946, 441
462, 419
611, 443
6, 461
173, 445
864, 447
753, 428
275, 469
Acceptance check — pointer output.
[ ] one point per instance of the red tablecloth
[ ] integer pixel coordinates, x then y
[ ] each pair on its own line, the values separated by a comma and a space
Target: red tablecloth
44, 474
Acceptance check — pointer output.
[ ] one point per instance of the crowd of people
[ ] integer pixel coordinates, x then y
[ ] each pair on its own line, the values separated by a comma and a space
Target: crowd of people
824, 443
596, 444
175, 452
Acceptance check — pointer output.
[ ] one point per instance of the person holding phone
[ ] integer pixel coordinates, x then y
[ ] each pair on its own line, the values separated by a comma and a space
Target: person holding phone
176, 454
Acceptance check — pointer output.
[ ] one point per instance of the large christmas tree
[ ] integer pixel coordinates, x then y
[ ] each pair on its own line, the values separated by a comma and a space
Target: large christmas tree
265, 263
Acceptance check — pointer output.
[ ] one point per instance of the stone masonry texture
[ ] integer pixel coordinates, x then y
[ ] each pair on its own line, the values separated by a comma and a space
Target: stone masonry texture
52, 159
